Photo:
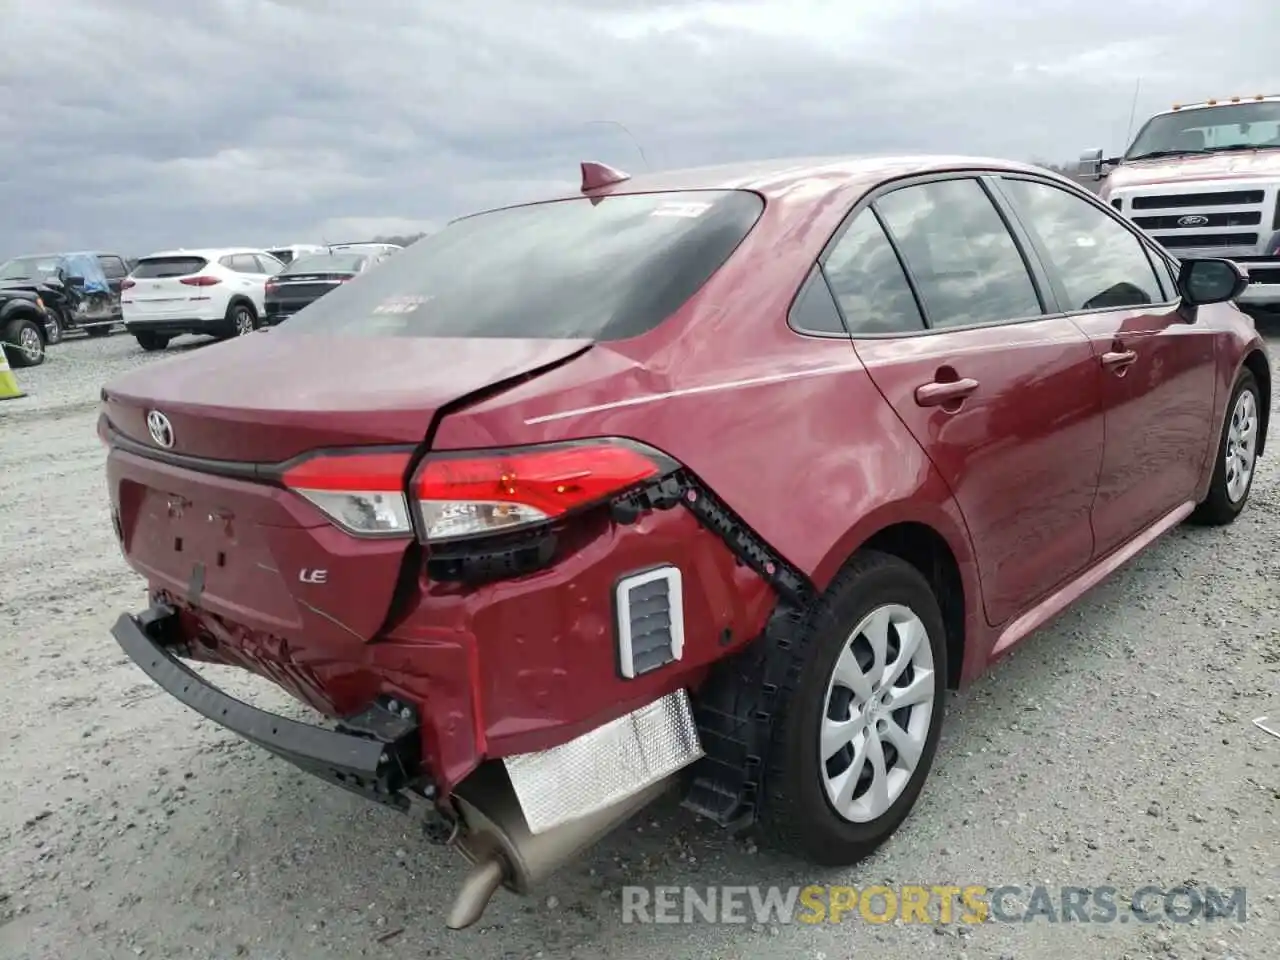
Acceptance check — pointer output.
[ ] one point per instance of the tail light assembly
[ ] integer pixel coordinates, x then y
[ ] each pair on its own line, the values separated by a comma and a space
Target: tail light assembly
459, 498
128, 284
202, 280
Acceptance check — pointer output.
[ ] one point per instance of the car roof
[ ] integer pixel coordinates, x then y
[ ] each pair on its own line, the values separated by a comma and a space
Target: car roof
775, 178
209, 253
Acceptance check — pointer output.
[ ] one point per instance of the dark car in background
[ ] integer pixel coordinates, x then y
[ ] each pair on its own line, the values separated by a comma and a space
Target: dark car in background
308, 279
80, 290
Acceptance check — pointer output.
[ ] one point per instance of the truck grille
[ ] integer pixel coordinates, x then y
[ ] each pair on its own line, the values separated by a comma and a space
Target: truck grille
1184, 200
1184, 240
1222, 223
1237, 218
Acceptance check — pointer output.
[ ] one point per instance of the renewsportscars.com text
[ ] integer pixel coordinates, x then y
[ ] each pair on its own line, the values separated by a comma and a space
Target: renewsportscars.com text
935, 904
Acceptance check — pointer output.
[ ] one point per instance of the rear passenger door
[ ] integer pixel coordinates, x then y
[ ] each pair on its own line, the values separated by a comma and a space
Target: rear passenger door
1155, 370
953, 323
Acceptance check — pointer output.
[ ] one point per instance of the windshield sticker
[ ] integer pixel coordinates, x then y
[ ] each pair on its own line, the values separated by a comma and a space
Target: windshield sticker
400, 304
688, 209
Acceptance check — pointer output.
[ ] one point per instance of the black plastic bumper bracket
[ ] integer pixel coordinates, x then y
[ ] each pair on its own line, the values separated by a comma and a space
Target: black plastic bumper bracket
375, 755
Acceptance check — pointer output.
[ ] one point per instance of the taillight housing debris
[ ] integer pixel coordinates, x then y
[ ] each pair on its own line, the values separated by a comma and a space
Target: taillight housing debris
477, 494
363, 493
470, 494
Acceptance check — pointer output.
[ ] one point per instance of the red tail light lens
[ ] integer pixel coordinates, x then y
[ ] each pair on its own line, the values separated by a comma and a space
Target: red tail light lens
271, 287
363, 493
204, 280
485, 493
127, 284
472, 494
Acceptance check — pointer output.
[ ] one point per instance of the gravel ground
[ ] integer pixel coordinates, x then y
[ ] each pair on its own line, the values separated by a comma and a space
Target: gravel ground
1113, 748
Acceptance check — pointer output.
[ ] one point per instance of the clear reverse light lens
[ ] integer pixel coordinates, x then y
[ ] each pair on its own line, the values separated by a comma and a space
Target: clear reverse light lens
443, 519
363, 512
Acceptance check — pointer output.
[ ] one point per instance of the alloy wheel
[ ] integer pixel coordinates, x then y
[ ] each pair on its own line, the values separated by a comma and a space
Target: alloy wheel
29, 343
879, 705
244, 322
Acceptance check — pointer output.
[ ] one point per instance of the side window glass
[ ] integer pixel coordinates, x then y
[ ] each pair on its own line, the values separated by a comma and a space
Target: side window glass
961, 255
1101, 264
1168, 275
814, 310
267, 265
244, 263
868, 283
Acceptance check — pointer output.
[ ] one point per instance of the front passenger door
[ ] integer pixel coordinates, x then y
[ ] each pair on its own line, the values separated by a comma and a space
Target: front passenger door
998, 391
1155, 370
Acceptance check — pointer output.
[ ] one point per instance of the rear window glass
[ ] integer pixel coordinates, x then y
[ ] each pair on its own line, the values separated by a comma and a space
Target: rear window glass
337, 263
591, 268
157, 267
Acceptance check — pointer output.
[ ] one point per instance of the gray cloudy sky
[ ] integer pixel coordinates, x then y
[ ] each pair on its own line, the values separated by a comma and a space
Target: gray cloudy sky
138, 124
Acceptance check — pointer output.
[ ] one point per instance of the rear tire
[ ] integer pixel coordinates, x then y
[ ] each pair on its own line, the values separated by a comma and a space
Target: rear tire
1236, 455
242, 320
151, 342
879, 629
23, 343
55, 329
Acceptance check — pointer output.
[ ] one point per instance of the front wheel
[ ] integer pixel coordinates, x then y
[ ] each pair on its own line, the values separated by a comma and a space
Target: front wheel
23, 344
151, 342
860, 717
1237, 455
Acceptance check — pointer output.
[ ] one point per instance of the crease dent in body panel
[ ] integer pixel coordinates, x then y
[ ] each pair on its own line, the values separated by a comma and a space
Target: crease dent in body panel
693, 391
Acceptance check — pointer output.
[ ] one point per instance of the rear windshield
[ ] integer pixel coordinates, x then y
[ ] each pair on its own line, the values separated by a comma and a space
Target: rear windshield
153, 268
328, 263
599, 268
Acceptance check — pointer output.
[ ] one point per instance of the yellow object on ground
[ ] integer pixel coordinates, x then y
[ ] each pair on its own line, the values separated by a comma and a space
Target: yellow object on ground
8, 382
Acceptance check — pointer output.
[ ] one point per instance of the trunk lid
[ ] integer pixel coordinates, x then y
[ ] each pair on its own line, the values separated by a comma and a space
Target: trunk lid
268, 398
246, 554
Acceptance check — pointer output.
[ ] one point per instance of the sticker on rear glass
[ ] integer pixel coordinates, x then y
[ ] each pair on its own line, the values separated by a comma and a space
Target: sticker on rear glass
400, 304
688, 208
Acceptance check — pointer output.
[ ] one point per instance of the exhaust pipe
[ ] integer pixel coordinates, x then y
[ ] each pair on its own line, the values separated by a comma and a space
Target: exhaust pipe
504, 853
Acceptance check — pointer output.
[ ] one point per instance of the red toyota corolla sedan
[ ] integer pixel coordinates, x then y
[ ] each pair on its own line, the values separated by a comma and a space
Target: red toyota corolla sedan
713, 479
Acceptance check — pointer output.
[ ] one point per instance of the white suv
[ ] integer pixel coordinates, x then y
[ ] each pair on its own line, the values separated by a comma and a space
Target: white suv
217, 292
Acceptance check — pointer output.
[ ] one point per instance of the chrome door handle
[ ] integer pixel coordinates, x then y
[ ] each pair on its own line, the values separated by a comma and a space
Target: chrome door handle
1119, 359
941, 392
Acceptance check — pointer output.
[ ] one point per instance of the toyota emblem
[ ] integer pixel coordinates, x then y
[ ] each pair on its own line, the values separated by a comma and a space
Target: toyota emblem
1193, 220
160, 428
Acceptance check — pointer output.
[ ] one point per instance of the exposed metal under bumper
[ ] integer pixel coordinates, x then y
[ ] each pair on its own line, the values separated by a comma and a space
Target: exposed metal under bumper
375, 755
502, 850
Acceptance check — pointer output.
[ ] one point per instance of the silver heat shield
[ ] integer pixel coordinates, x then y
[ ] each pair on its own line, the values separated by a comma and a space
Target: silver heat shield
605, 765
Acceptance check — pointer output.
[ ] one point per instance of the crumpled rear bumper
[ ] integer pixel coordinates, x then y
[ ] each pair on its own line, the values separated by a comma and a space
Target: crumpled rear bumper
375, 754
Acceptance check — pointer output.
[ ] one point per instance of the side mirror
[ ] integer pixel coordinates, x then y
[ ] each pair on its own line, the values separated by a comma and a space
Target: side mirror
1091, 164
1202, 282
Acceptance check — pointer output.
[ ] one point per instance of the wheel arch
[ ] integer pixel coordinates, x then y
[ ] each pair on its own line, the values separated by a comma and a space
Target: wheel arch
17, 310
239, 299
930, 536
1255, 361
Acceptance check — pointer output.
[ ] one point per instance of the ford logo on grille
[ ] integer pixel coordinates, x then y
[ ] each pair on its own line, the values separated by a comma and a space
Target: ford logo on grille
1193, 220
